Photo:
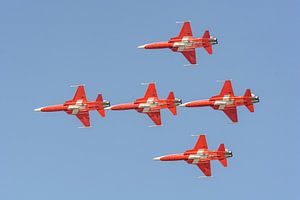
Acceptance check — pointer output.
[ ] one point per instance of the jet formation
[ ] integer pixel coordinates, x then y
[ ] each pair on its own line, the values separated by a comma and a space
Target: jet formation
185, 43
151, 105
200, 156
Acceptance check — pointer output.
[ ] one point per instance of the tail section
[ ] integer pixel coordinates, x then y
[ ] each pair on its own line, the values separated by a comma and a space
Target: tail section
223, 162
221, 150
208, 46
206, 35
172, 106
100, 109
248, 96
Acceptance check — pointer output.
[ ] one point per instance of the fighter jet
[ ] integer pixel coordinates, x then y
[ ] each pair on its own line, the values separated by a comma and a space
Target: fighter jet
151, 105
200, 156
227, 102
79, 106
185, 43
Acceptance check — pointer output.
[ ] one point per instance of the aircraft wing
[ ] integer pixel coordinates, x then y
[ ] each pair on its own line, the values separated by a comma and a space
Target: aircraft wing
190, 56
205, 167
155, 116
84, 118
201, 143
231, 113
80, 94
186, 30
227, 89
151, 91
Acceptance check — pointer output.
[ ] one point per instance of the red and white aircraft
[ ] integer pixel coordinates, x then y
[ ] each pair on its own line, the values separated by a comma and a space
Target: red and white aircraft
227, 102
185, 43
150, 104
79, 106
200, 156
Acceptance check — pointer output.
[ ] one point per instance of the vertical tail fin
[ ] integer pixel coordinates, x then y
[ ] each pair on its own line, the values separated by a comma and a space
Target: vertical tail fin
100, 109
221, 147
206, 35
223, 159
171, 101
208, 46
247, 97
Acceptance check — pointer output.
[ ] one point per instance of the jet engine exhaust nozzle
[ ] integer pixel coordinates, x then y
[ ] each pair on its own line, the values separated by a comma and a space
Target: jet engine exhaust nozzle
254, 99
177, 101
228, 154
213, 41
106, 104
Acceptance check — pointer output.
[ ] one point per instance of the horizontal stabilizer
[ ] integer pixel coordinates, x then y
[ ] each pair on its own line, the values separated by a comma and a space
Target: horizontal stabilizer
100, 109
248, 97
250, 107
208, 49
171, 101
221, 151
223, 162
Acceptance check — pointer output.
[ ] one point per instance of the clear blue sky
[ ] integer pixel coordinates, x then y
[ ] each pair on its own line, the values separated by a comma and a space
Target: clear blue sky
45, 46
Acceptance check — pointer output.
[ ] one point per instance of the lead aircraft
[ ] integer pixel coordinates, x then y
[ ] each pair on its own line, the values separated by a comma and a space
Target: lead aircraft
185, 43
200, 156
79, 106
227, 102
150, 104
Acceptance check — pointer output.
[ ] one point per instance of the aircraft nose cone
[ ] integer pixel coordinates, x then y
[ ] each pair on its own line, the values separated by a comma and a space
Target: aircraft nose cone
157, 158
183, 105
38, 109
141, 46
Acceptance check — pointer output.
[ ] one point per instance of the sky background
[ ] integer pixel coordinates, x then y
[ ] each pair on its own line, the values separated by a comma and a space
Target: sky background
46, 46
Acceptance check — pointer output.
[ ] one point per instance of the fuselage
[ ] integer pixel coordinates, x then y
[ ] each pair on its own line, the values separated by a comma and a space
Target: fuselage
196, 156
220, 103
141, 105
186, 43
72, 107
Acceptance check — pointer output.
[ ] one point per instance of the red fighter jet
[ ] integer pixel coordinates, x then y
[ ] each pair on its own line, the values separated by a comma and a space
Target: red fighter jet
79, 106
185, 43
151, 105
200, 156
227, 102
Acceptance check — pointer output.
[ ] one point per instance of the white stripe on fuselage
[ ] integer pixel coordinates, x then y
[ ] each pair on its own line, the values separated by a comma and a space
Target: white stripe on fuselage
77, 106
222, 103
198, 156
148, 105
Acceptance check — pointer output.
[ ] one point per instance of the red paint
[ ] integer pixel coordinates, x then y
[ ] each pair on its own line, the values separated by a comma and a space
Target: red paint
78, 106
200, 156
185, 43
